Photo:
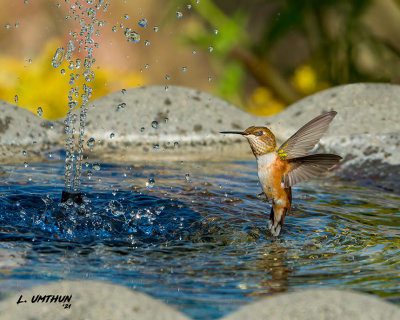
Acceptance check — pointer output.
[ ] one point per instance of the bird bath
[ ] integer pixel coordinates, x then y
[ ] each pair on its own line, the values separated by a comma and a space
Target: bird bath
190, 232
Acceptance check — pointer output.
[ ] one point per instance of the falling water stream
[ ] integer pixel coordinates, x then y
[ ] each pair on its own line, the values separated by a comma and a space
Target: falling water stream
81, 41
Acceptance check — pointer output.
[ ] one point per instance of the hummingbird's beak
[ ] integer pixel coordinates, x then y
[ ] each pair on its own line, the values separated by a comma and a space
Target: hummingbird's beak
232, 132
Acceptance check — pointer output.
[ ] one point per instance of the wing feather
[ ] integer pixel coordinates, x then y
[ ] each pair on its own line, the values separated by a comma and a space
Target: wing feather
309, 167
304, 140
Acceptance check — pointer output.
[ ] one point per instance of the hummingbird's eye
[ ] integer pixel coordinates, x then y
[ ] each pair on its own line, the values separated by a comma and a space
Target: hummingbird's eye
259, 133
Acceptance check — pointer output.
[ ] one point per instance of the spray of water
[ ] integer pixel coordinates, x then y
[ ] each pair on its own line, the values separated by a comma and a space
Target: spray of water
79, 42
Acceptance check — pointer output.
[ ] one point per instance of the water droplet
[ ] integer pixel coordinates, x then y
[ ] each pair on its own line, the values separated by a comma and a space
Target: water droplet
216, 31
166, 120
166, 88
121, 106
150, 183
115, 206
96, 166
62, 71
189, 6
167, 77
89, 174
112, 135
142, 129
184, 69
86, 164
176, 144
114, 29
211, 48
194, 52
123, 91
154, 124
187, 177
7, 26
179, 14
39, 111
16, 24
91, 142
127, 32
58, 57
24, 153
146, 43
26, 164
156, 146
155, 28
147, 66
134, 36
142, 22
16, 98
209, 79
126, 16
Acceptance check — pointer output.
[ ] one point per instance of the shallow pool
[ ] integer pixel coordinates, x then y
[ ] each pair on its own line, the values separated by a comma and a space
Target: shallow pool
194, 233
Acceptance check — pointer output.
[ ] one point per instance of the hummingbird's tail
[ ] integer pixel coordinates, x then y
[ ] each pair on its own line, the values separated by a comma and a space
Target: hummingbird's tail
279, 209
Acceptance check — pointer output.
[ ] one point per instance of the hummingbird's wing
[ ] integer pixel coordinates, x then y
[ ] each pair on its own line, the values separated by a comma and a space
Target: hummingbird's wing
302, 142
309, 167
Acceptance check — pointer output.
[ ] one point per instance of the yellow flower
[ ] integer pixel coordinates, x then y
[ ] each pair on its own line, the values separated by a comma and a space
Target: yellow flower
262, 103
305, 80
39, 84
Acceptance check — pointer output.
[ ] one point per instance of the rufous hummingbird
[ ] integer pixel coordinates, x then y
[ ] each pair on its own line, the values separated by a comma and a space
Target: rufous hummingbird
280, 168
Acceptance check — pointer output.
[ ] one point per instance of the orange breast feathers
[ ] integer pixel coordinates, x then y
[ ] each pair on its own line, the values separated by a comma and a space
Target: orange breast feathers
270, 175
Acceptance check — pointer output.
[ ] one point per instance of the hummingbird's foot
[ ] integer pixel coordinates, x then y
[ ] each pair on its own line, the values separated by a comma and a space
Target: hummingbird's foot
275, 230
261, 194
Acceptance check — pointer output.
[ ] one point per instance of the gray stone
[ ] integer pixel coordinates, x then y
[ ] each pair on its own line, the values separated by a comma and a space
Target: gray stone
100, 300
185, 116
366, 131
90, 300
22, 130
318, 305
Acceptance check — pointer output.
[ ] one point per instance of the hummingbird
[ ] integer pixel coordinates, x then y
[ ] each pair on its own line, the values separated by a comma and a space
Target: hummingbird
281, 168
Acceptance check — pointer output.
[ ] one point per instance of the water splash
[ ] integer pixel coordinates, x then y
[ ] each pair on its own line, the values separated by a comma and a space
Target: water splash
80, 42
90, 143
120, 106
150, 183
142, 22
96, 166
39, 111
154, 124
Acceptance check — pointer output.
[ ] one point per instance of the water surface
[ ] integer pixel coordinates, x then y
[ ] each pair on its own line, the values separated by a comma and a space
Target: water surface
195, 234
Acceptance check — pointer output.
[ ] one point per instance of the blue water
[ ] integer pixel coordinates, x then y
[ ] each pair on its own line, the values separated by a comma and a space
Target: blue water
197, 242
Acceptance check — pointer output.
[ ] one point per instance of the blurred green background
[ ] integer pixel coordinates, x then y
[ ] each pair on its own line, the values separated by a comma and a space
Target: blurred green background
261, 55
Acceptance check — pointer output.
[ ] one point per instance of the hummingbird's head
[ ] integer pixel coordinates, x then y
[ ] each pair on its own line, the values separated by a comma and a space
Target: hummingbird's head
261, 139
